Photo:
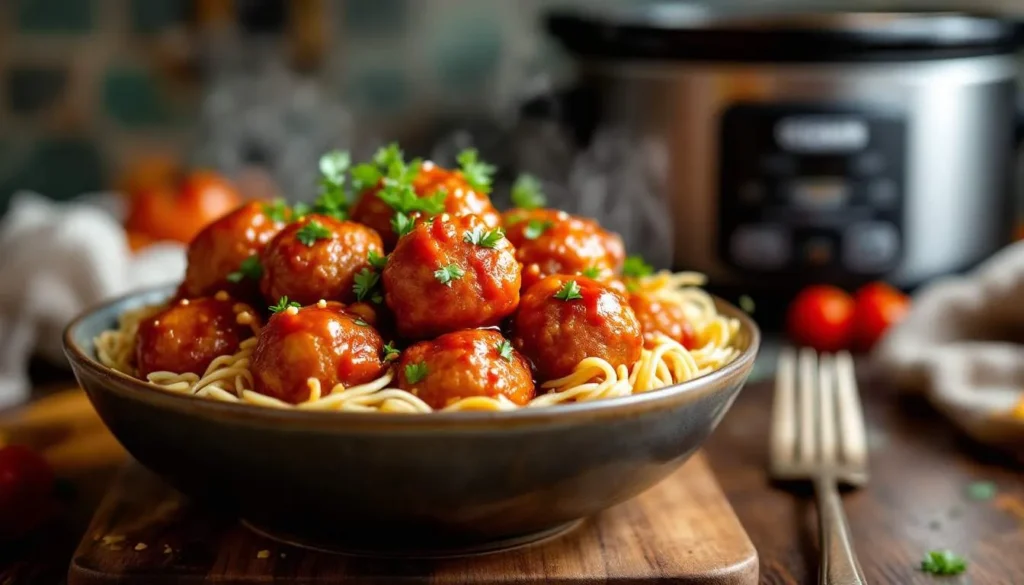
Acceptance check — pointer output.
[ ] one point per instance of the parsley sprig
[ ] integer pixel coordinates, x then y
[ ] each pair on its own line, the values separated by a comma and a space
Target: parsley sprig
282, 304
401, 224
483, 237
527, 194
504, 348
333, 200
311, 232
376, 260
476, 172
277, 210
390, 352
943, 562
365, 286
535, 228
446, 274
570, 291
635, 267
414, 373
250, 268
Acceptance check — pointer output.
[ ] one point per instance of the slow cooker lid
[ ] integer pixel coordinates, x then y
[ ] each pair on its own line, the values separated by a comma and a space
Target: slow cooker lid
693, 31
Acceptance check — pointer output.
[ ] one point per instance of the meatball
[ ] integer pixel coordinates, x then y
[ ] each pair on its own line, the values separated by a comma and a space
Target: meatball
564, 319
322, 342
460, 199
216, 254
317, 258
660, 318
472, 362
450, 273
549, 241
189, 334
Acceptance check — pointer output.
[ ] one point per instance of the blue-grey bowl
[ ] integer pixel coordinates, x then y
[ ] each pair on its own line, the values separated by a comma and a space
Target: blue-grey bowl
411, 485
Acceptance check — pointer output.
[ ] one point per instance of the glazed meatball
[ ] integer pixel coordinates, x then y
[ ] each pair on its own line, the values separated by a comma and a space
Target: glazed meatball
660, 318
549, 241
564, 319
472, 362
321, 341
317, 258
460, 199
450, 273
216, 254
189, 334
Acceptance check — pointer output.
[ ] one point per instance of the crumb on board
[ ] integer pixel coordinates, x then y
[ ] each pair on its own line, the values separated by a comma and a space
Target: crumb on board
141, 546
263, 554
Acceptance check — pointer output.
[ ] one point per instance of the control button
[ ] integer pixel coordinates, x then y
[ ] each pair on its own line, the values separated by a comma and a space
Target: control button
870, 246
778, 165
818, 251
761, 247
869, 164
752, 193
819, 192
882, 193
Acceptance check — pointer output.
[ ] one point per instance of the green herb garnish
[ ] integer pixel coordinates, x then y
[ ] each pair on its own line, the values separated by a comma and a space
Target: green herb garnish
365, 176
390, 353
482, 237
747, 304
591, 272
282, 304
569, 291
635, 267
401, 224
526, 193
376, 260
981, 490
359, 321
476, 172
249, 268
300, 210
504, 349
535, 228
943, 562
311, 232
277, 210
415, 372
446, 274
365, 286
333, 201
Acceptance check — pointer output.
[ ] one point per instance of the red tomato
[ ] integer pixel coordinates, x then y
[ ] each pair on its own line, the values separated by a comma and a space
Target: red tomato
179, 212
821, 317
878, 306
26, 490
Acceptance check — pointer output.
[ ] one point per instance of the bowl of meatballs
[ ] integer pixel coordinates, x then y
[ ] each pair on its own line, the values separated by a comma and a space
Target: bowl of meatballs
401, 369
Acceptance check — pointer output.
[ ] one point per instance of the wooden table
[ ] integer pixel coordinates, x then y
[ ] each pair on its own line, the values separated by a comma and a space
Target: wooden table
916, 500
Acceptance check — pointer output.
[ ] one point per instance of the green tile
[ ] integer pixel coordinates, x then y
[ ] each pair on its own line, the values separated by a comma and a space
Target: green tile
374, 17
30, 89
133, 97
149, 16
466, 50
48, 16
59, 168
379, 89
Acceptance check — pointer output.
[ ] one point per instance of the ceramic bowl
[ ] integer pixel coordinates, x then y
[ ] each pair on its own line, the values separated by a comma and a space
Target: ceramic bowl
410, 485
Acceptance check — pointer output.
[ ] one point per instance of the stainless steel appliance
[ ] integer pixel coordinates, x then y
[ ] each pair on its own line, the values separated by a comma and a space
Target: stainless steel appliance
828, 146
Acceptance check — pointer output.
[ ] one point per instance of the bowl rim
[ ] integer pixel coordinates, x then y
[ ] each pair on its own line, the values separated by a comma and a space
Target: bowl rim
136, 389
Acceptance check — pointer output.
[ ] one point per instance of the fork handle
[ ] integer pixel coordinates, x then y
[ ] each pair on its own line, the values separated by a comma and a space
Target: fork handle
839, 564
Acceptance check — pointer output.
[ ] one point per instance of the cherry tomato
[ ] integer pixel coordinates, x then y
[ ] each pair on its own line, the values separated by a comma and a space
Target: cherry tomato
821, 317
26, 490
179, 212
877, 306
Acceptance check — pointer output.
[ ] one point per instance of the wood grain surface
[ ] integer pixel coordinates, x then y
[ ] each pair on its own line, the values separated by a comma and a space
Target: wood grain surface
681, 531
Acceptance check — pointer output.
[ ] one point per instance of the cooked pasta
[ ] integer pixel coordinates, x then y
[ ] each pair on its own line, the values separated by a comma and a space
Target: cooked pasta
229, 379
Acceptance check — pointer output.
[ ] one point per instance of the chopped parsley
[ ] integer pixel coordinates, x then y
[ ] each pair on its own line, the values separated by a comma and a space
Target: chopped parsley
446, 274
333, 201
365, 286
311, 232
981, 490
388, 155
535, 228
301, 210
401, 224
943, 562
390, 353
526, 193
635, 267
249, 268
747, 304
414, 373
359, 321
514, 217
569, 291
476, 172
591, 272
482, 237
403, 199
365, 176
376, 260
282, 304
277, 210
504, 349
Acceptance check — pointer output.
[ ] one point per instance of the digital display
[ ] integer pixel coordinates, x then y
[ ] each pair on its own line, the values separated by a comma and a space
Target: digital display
821, 134
819, 192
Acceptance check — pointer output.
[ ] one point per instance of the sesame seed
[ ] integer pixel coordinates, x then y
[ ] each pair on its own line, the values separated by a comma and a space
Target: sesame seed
263, 554
243, 318
221, 295
183, 302
167, 549
141, 546
321, 304
292, 310
427, 165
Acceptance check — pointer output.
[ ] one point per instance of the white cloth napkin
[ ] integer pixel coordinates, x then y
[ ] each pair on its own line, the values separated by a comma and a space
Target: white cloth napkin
962, 344
56, 260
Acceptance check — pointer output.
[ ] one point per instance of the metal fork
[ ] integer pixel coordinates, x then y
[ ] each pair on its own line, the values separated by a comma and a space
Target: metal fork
818, 436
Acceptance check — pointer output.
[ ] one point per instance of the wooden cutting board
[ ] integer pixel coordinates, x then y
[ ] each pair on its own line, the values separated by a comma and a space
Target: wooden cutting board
681, 531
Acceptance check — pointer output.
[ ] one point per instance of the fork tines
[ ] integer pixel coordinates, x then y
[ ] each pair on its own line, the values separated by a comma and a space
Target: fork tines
817, 423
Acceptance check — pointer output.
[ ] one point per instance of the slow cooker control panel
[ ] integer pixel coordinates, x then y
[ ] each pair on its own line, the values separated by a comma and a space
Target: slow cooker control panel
815, 191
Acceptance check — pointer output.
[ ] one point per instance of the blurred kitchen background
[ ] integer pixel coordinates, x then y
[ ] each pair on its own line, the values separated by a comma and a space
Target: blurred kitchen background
114, 95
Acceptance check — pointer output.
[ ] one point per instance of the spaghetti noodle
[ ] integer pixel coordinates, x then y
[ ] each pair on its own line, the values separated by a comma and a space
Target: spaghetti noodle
229, 379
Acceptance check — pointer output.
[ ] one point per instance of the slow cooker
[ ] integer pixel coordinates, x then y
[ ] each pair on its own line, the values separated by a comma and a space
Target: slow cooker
809, 146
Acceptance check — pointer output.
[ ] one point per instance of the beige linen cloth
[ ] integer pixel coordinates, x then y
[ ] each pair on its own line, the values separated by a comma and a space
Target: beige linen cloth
962, 344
